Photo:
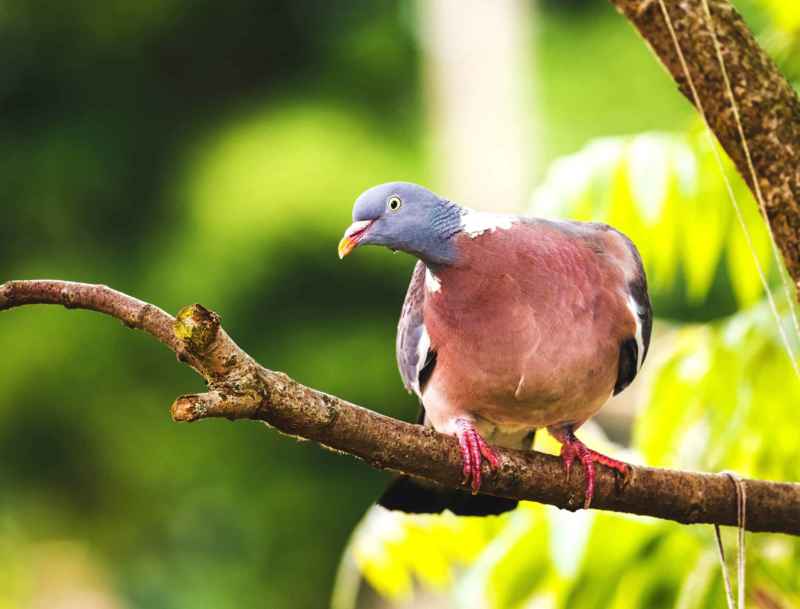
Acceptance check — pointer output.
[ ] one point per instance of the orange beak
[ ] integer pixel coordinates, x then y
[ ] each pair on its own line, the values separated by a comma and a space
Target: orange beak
352, 236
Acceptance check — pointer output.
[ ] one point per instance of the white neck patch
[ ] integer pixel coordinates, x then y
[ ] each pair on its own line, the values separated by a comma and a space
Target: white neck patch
475, 223
432, 282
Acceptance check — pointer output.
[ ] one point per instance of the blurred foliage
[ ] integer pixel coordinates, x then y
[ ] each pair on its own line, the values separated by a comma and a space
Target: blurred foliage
700, 265
583, 58
785, 15
194, 151
721, 424
209, 151
695, 417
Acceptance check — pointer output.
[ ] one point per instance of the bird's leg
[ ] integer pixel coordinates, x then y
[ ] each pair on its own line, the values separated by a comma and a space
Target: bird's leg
473, 449
572, 448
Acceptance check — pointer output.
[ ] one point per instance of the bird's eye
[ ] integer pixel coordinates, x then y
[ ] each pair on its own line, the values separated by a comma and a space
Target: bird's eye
393, 203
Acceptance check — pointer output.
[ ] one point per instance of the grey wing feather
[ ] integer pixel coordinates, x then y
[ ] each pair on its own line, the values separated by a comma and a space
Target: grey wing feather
412, 338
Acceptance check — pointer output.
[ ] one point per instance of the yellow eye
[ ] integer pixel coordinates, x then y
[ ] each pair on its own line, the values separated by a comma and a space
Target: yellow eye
394, 203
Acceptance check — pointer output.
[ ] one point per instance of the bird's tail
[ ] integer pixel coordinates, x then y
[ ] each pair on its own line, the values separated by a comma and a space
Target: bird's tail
417, 497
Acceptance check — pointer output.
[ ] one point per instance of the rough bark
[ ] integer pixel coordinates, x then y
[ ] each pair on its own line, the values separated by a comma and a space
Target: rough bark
239, 388
768, 106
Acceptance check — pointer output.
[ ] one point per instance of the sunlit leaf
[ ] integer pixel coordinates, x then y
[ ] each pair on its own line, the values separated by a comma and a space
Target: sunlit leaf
512, 565
742, 249
705, 221
713, 404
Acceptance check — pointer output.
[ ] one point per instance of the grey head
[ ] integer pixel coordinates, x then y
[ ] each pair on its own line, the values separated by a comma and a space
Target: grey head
405, 217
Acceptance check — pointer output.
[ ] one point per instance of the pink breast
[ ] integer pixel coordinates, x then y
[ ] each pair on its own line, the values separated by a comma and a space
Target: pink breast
528, 324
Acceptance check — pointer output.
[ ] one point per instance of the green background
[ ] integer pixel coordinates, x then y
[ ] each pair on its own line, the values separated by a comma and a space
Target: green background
210, 152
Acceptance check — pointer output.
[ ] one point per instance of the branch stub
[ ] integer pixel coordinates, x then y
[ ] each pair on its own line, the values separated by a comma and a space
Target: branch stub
196, 327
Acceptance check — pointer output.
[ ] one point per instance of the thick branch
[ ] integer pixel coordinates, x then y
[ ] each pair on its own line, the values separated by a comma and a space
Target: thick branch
768, 106
241, 389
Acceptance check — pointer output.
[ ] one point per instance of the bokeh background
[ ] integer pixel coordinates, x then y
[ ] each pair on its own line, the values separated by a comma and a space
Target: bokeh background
208, 151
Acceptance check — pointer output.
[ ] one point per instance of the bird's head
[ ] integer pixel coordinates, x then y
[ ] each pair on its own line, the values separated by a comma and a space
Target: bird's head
405, 217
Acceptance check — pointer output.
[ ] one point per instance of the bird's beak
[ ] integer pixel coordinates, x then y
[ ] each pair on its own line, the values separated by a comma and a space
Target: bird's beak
352, 236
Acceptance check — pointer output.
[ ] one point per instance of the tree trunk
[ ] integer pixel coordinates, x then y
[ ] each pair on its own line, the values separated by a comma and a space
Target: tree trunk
767, 104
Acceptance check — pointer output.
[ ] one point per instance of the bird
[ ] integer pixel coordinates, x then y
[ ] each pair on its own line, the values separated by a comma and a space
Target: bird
510, 324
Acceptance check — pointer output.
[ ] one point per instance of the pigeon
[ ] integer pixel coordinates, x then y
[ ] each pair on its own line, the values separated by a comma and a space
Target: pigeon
510, 324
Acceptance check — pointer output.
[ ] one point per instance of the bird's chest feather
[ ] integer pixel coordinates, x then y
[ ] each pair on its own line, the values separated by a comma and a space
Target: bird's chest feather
524, 323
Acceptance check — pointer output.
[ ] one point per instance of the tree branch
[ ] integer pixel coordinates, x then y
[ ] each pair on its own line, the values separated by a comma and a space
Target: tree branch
768, 106
239, 388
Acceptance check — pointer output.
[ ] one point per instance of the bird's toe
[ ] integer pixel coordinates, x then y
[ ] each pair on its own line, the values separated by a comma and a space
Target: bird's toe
572, 449
473, 450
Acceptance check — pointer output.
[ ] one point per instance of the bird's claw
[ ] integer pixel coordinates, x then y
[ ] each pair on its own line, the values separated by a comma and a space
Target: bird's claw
572, 448
568, 457
473, 450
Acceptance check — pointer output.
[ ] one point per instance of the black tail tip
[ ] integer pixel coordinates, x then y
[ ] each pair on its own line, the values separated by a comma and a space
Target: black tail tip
408, 495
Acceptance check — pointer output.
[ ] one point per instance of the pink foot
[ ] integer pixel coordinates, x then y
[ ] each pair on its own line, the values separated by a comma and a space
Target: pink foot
572, 448
473, 449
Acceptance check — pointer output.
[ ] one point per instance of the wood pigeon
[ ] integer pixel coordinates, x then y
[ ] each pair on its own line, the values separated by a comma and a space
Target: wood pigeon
510, 324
